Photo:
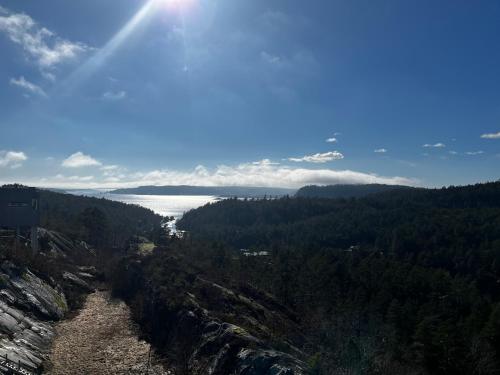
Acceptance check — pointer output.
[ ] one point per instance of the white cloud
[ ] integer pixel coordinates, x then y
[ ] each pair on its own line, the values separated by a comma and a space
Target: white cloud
74, 178
263, 162
109, 167
473, 153
112, 95
269, 58
319, 158
453, 153
12, 159
28, 86
332, 140
79, 159
44, 46
435, 145
259, 174
380, 151
491, 136
113, 172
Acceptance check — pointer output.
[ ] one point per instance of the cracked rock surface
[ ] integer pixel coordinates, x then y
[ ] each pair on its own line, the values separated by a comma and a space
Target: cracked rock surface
27, 305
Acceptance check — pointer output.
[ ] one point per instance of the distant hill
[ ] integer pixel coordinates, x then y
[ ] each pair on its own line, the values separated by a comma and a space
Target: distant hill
64, 213
345, 191
221, 191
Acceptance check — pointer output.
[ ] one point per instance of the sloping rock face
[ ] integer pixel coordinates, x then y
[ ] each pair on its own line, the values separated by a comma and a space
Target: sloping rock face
27, 304
206, 328
57, 245
77, 281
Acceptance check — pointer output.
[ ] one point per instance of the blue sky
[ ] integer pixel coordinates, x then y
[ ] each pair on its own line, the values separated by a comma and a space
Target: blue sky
275, 93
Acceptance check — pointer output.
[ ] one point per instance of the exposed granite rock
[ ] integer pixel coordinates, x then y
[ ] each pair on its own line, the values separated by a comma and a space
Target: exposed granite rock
29, 305
23, 338
25, 302
77, 282
23, 289
270, 362
209, 329
224, 348
57, 245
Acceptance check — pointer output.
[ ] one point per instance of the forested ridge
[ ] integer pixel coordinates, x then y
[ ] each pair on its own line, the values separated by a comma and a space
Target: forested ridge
100, 221
345, 191
401, 282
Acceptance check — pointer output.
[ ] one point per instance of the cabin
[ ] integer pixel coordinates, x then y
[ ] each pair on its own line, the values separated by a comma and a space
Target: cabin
19, 209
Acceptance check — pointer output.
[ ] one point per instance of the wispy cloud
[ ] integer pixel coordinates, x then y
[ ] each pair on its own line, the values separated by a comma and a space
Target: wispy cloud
114, 95
380, 151
491, 136
26, 85
12, 159
319, 157
474, 153
265, 162
435, 145
79, 160
332, 140
62, 177
41, 45
109, 167
270, 58
300, 60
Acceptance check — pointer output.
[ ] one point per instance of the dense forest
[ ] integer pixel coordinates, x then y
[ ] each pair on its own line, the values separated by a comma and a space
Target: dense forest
100, 221
401, 282
345, 191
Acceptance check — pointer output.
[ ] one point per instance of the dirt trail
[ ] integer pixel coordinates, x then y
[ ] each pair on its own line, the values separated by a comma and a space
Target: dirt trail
101, 339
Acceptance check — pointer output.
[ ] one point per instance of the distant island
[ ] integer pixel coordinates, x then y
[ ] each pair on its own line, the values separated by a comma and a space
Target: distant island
220, 191
345, 191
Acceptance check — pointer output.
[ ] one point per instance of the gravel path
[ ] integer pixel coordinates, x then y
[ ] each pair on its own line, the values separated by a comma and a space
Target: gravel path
101, 339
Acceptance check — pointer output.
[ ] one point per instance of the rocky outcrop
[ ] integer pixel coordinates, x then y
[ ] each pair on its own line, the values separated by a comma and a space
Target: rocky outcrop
225, 348
209, 329
27, 305
77, 281
30, 304
57, 245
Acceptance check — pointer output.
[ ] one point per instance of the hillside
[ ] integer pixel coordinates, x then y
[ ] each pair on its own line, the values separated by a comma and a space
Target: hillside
345, 191
78, 238
220, 191
400, 282
110, 222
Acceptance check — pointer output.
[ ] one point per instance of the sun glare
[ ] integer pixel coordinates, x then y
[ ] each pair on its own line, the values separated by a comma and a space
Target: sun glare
176, 4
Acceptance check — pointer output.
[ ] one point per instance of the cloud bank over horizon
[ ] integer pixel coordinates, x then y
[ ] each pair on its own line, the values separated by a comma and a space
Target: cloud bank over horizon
263, 173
